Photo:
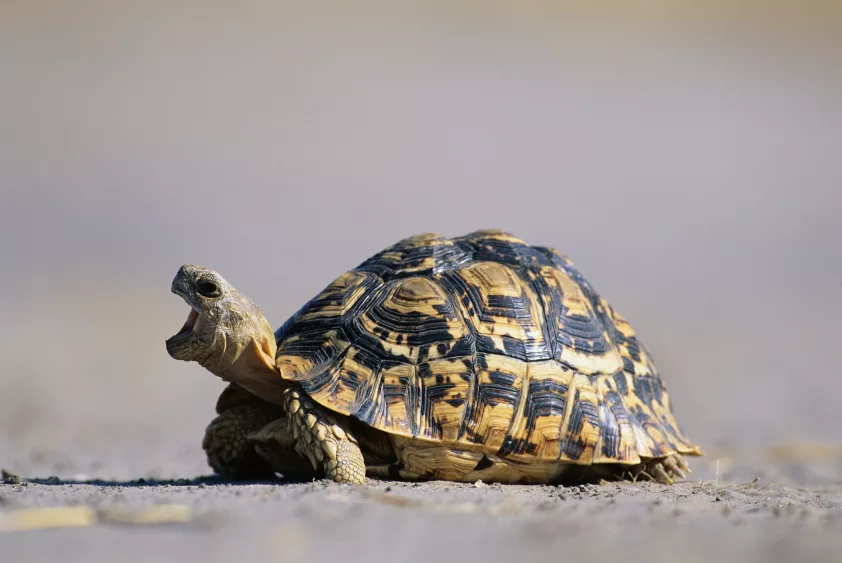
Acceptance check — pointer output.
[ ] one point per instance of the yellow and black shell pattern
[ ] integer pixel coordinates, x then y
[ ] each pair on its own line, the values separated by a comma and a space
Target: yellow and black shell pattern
482, 342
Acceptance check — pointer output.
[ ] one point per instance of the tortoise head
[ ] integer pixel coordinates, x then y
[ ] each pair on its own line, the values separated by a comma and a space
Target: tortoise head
225, 333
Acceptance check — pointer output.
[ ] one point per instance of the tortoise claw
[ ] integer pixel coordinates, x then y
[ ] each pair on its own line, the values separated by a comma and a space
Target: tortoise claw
673, 467
657, 471
682, 463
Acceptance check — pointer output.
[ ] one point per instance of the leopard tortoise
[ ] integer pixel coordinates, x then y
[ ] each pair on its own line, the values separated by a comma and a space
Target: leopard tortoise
472, 358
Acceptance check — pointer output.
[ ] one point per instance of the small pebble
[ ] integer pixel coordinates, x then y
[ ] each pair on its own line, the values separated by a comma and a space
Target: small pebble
10, 478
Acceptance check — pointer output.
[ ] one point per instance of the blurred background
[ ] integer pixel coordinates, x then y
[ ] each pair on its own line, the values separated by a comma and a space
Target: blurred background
686, 157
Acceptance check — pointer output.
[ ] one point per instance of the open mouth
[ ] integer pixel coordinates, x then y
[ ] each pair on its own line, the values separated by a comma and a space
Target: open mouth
193, 318
189, 324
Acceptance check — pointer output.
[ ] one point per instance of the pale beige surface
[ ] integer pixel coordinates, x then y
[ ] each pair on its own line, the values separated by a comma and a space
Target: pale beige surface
687, 162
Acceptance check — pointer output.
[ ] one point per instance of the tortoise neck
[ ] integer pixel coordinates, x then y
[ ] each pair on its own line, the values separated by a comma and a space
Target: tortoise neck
252, 367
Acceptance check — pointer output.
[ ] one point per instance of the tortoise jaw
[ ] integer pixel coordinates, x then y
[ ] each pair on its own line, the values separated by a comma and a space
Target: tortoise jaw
180, 288
189, 324
180, 344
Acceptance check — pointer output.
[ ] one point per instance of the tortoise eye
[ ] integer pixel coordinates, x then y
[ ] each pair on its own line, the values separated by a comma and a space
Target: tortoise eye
209, 288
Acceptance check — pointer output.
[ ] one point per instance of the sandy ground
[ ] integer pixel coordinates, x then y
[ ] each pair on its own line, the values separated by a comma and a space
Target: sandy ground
760, 511
687, 161
208, 521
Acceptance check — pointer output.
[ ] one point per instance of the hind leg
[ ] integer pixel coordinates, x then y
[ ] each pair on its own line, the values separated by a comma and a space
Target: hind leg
670, 468
662, 470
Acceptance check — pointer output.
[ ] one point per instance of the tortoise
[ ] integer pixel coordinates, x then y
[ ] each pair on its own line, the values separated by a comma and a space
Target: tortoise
478, 357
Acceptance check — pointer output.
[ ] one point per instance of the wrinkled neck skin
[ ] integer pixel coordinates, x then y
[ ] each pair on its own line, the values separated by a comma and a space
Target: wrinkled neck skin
226, 334
250, 364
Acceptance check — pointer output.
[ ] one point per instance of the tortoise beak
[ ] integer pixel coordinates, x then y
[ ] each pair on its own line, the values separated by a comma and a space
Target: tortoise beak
182, 282
179, 342
181, 286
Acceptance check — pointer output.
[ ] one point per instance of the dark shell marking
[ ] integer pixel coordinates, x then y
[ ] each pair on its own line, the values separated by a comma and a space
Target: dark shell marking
482, 341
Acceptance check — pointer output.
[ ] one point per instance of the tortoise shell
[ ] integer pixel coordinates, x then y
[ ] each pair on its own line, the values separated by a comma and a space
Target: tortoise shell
482, 342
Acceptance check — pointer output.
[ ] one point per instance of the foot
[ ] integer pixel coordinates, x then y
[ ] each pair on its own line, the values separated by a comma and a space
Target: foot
663, 470
275, 443
226, 443
320, 438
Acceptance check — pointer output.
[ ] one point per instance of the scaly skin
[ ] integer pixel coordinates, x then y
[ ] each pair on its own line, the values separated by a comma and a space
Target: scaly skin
323, 440
228, 335
226, 443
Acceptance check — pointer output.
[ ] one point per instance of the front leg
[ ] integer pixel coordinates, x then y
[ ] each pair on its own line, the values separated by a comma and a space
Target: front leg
323, 440
229, 450
250, 439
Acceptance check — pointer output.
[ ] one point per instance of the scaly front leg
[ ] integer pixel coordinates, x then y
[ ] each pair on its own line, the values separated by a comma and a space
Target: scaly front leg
322, 439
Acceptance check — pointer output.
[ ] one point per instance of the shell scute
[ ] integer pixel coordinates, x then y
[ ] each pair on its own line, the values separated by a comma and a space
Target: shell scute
497, 397
410, 320
422, 254
503, 310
